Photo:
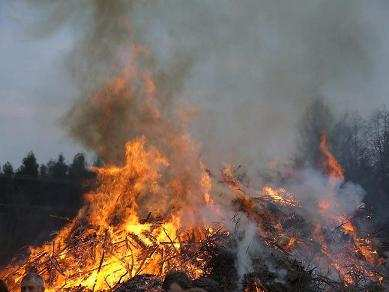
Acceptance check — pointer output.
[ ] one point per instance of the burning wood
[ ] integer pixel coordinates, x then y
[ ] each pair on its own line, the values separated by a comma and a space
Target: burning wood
351, 255
108, 243
152, 214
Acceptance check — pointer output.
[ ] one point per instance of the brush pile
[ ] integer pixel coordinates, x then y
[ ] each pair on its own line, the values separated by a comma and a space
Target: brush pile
138, 222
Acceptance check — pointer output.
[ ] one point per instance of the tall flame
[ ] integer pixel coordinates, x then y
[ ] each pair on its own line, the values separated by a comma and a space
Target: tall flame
110, 240
147, 210
334, 243
347, 266
330, 164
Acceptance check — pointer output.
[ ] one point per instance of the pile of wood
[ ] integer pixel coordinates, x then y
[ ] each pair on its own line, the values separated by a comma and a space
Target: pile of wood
213, 256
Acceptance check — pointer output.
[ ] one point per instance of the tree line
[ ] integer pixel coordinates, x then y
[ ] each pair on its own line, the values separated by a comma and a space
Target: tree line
56, 169
31, 209
38, 199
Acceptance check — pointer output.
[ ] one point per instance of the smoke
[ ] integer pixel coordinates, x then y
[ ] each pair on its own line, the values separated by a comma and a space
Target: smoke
258, 63
123, 90
235, 75
252, 66
245, 246
324, 206
100, 29
311, 187
126, 92
239, 74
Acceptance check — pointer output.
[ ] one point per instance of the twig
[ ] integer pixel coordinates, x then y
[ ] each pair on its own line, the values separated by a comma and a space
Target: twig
101, 260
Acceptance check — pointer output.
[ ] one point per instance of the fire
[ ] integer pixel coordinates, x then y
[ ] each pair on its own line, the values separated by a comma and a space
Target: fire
342, 260
279, 196
146, 210
330, 164
335, 242
254, 286
139, 220
111, 239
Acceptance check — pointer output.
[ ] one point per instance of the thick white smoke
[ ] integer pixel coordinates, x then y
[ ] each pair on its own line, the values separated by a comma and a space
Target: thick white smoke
245, 246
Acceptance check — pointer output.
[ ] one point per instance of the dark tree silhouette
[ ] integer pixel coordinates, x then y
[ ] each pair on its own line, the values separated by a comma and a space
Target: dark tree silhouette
350, 145
318, 119
29, 166
8, 170
98, 162
30, 209
78, 168
379, 148
58, 169
43, 170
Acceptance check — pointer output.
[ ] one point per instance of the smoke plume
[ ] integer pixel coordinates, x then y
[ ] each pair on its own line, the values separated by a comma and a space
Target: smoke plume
253, 66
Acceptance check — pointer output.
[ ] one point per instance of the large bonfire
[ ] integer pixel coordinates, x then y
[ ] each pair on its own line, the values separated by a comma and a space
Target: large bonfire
153, 212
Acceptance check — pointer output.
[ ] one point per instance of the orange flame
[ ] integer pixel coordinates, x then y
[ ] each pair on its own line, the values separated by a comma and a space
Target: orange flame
108, 241
279, 196
331, 165
146, 211
363, 246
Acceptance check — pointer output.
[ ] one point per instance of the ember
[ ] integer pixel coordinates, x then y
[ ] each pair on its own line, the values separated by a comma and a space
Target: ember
279, 196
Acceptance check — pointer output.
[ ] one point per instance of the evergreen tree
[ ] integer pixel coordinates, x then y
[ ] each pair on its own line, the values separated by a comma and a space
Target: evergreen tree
29, 166
58, 169
78, 168
43, 170
8, 170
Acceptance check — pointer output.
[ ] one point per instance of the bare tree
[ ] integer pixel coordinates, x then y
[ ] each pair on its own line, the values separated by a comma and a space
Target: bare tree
350, 146
317, 120
379, 145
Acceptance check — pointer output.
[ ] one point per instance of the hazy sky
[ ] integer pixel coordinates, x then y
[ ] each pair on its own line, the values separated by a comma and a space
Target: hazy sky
34, 91
256, 62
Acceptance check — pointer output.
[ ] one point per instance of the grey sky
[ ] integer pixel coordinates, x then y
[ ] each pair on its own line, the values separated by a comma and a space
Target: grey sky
255, 64
34, 91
